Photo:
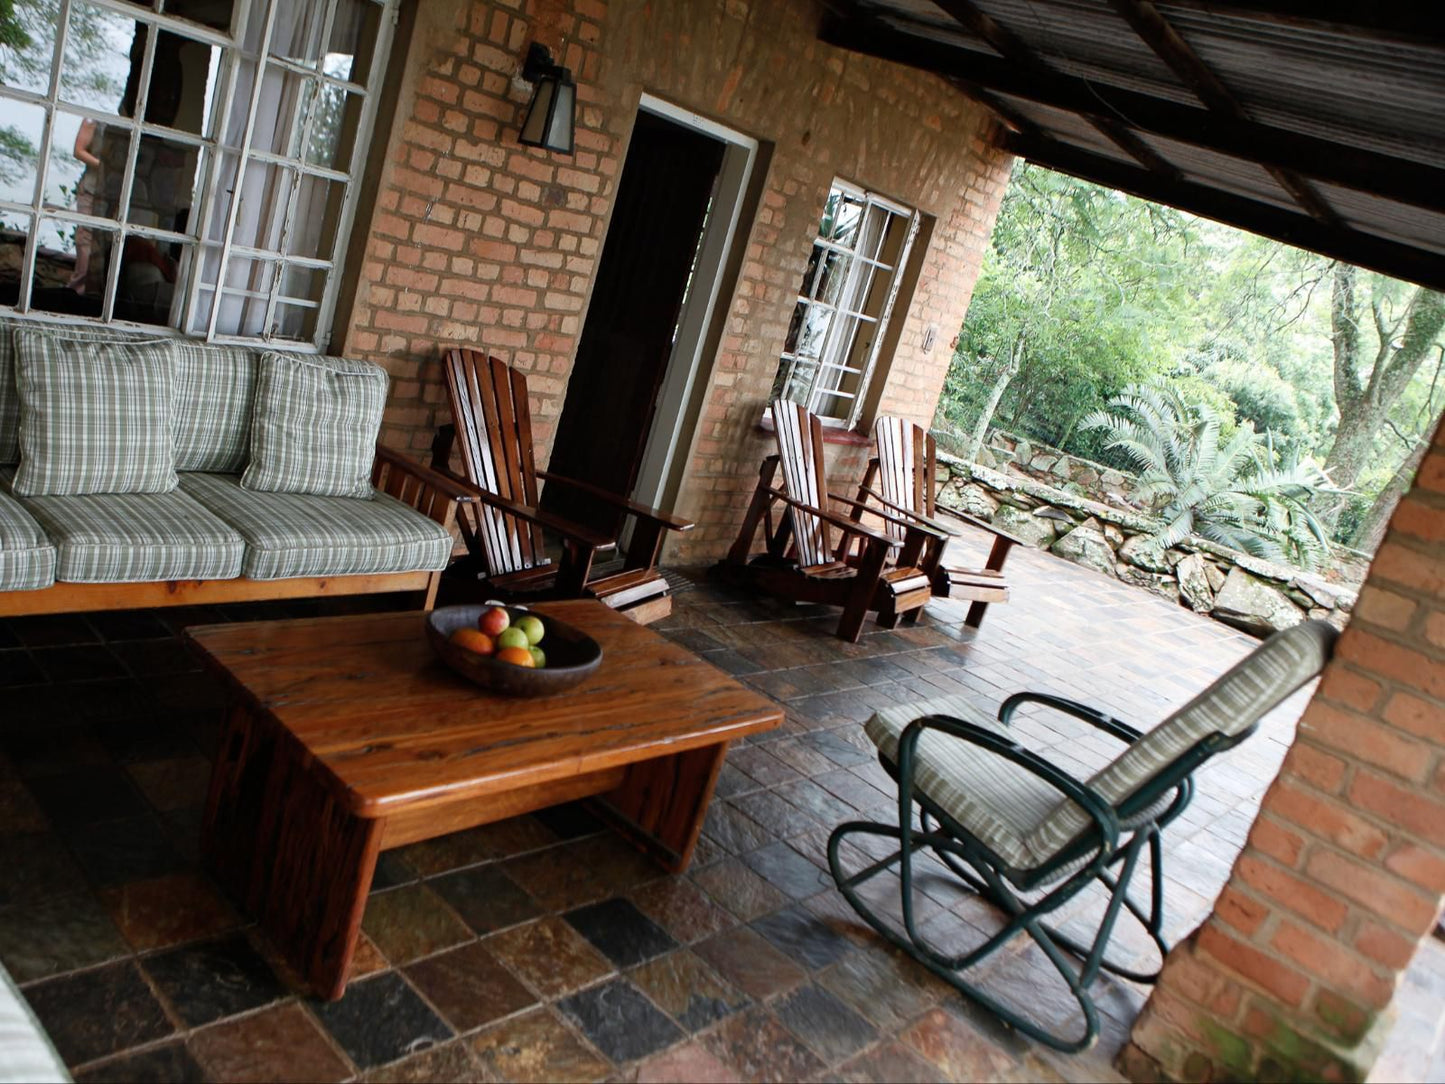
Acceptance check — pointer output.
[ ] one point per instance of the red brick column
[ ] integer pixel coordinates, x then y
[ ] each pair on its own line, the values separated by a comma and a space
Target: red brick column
1343, 871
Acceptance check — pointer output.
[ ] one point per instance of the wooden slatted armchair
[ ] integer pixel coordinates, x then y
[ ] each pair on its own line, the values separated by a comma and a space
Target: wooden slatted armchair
504, 529
902, 479
862, 571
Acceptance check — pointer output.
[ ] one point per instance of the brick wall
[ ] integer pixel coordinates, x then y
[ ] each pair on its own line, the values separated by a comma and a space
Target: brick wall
1344, 870
476, 240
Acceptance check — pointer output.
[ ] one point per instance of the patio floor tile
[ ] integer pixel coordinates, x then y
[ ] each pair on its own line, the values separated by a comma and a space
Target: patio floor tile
381, 1019
410, 922
830, 1028
168, 1064
56, 934
619, 1020
550, 955
891, 1061
751, 964
100, 1012
756, 1047
536, 1046
441, 1064
469, 987
681, 908
687, 990
276, 1044
213, 979
167, 911
485, 898
620, 931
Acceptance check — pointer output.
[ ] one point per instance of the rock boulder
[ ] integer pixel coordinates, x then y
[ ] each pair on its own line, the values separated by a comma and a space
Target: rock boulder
1142, 552
1035, 530
1193, 580
1086, 545
1249, 603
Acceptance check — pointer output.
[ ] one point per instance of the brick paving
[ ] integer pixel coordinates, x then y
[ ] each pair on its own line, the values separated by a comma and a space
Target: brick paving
543, 948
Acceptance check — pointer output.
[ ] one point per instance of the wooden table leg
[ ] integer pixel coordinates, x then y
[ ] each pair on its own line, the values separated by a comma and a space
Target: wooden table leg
662, 802
278, 840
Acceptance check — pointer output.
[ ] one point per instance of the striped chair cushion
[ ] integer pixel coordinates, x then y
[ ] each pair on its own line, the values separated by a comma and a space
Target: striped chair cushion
215, 387
300, 534
95, 416
315, 425
27, 559
26, 1054
1023, 819
9, 397
134, 537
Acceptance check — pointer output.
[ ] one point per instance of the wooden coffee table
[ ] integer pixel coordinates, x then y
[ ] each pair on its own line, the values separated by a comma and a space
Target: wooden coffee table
346, 737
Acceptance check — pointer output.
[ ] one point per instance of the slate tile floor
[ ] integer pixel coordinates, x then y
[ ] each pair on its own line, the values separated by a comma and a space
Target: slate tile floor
544, 948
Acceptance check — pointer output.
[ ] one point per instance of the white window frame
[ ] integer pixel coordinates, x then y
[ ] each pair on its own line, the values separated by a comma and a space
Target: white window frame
834, 345
209, 145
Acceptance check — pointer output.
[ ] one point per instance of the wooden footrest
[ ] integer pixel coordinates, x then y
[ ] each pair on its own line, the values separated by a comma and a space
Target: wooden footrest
908, 586
983, 585
641, 593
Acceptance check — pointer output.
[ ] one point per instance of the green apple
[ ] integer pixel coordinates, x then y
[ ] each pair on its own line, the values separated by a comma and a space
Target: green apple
533, 627
539, 659
512, 637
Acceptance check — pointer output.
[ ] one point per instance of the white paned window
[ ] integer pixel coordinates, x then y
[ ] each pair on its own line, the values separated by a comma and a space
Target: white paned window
186, 164
843, 306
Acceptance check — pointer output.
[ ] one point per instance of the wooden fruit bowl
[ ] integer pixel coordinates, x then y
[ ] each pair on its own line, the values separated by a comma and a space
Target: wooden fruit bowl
572, 655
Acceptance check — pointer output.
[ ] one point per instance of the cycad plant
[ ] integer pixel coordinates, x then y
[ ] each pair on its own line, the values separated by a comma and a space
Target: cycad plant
1241, 493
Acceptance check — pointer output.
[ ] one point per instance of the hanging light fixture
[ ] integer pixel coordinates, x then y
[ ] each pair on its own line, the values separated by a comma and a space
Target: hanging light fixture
552, 115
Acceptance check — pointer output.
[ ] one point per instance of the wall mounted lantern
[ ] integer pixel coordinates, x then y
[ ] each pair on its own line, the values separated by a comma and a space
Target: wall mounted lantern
552, 115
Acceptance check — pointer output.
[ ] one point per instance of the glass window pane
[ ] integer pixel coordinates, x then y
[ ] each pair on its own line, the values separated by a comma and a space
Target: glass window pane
26, 61
353, 40
70, 267
285, 98
807, 331
833, 277
20, 135
333, 128
295, 321
183, 83
87, 164
265, 192
842, 218
313, 225
296, 35
164, 192
14, 230
146, 287
101, 66
303, 283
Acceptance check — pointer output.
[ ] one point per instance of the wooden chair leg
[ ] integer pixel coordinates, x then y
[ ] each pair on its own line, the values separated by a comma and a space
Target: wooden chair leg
757, 509
646, 546
865, 585
997, 555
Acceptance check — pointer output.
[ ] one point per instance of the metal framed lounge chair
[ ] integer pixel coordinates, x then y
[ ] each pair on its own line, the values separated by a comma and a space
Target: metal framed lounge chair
860, 572
903, 479
1028, 837
503, 529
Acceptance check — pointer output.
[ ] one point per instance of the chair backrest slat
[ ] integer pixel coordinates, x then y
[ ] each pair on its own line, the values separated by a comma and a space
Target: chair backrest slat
800, 451
493, 425
905, 468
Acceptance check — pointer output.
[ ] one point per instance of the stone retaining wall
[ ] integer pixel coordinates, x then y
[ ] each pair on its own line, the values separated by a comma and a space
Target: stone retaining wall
1053, 467
1249, 593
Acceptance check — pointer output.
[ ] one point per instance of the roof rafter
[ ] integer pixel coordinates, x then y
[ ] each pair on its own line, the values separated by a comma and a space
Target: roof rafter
1171, 48
1291, 227
1402, 179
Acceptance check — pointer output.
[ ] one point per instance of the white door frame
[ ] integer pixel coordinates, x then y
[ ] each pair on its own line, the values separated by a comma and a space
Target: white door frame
660, 456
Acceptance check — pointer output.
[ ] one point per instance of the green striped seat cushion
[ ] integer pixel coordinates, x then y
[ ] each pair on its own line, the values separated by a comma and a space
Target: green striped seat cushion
301, 534
95, 416
27, 559
215, 386
315, 425
1024, 820
134, 537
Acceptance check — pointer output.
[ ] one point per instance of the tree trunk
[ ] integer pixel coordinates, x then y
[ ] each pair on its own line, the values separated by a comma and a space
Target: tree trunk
995, 396
1371, 531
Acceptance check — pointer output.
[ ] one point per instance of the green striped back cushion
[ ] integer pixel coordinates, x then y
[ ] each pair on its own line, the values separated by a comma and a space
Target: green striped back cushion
314, 425
95, 416
9, 397
215, 388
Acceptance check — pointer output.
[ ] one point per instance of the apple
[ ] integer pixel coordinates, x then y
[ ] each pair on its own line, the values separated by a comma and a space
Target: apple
533, 627
539, 658
512, 637
494, 620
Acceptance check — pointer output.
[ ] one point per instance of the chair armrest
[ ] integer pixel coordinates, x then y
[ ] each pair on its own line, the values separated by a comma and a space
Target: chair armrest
984, 525
849, 526
566, 528
1091, 801
901, 516
459, 489
1093, 716
932, 524
667, 519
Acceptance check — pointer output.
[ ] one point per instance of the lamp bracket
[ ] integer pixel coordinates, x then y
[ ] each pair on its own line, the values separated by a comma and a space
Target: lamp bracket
539, 63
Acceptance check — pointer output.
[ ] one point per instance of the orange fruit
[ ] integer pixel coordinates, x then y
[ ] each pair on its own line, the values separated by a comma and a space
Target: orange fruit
517, 656
473, 640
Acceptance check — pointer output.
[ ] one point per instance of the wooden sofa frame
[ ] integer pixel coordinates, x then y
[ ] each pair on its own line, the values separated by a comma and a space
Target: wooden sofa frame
430, 493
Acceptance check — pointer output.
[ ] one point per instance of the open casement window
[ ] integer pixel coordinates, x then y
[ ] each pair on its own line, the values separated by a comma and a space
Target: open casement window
844, 304
186, 164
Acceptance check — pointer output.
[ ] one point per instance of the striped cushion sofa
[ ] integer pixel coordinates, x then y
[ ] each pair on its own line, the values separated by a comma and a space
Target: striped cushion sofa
208, 538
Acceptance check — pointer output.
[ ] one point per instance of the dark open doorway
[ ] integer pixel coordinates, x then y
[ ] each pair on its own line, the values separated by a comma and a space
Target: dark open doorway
668, 182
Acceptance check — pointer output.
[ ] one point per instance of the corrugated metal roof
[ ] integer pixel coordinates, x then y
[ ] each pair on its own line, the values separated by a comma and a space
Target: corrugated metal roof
1094, 87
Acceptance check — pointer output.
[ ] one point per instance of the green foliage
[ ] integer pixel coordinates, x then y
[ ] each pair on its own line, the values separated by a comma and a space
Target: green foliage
1239, 491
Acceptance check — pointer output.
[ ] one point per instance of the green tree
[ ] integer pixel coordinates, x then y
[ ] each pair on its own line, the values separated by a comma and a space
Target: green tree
1239, 492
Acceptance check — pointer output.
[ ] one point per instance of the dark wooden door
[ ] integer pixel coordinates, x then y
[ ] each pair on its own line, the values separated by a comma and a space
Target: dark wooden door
662, 201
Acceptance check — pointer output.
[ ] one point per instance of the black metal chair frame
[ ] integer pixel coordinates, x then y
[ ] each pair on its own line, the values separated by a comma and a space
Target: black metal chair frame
1105, 844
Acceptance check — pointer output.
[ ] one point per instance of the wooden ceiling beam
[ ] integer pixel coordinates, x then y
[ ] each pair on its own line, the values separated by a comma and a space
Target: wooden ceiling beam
1291, 227
1014, 48
1413, 22
1167, 44
1401, 179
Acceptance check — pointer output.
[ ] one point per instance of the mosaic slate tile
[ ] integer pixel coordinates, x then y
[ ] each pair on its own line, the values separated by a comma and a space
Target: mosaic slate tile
620, 931
469, 986
95, 1013
277, 1044
619, 1020
213, 979
380, 1020
536, 1047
